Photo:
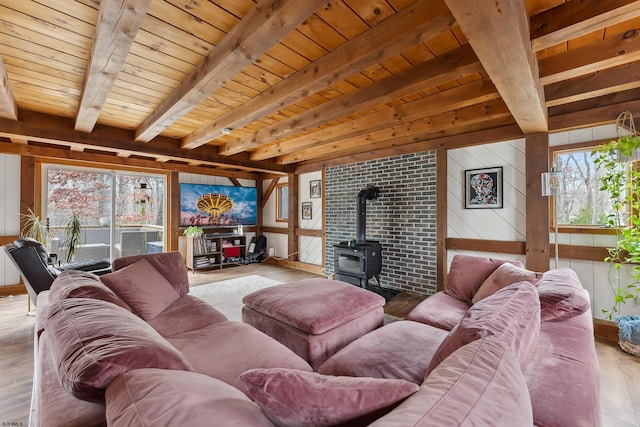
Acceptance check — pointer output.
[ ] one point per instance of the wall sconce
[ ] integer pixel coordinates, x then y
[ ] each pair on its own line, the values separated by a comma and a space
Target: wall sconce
553, 185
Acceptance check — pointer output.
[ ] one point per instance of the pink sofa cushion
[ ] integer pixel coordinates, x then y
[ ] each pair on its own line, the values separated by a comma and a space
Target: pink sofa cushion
505, 275
440, 310
512, 314
142, 287
467, 273
169, 264
305, 399
481, 384
80, 284
94, 341
562, 295
160, 397
226, 350
400, 350
310, 305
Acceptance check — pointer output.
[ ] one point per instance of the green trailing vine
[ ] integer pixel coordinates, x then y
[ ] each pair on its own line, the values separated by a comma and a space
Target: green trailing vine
621, 179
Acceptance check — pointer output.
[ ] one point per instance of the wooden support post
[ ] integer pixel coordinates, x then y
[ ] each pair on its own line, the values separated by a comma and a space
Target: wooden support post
292, 248
441, 219
537, 206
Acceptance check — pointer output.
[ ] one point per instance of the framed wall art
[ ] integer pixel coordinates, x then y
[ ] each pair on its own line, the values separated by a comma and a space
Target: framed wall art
307, 210
483, 188
315, 189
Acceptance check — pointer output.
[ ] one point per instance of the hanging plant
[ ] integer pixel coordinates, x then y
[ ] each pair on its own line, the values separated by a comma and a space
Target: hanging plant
621, 179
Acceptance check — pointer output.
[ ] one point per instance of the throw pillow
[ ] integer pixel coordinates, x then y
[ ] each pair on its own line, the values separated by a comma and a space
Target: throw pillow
304, 399
479, 385
505, 275
143, 288
161, 397
94, 341
512, 314
80, 284
562, 295
467, 273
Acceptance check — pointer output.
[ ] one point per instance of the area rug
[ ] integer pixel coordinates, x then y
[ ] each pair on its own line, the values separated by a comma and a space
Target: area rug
226, 296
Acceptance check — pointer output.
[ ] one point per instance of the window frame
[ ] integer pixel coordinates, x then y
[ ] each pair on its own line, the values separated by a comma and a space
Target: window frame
282, 202
575, 228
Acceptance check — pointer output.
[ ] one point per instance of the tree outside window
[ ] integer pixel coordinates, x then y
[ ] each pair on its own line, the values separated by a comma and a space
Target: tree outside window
580, 200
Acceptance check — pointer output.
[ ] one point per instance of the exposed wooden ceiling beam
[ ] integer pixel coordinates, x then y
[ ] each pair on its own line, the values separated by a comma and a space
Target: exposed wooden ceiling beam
595, 116
440, 70
260, 29
117, 26
406, 133
593, 85
452, 99
573, 19
8, 105
59, 130
109, 160
419, 21
610, 52
498, 31
462, 138
19, 140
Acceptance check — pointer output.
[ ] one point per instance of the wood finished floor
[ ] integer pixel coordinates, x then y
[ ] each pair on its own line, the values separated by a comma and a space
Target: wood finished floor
619, 372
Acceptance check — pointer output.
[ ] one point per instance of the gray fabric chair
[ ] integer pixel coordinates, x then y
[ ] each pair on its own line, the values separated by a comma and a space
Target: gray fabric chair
32, 261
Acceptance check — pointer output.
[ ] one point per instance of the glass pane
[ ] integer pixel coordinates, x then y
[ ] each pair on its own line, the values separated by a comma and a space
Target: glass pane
86, 194
139, 212
282, 199
580, 201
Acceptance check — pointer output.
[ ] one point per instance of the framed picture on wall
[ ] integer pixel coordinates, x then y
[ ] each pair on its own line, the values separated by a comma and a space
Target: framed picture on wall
483, 188
307, 210
315, 189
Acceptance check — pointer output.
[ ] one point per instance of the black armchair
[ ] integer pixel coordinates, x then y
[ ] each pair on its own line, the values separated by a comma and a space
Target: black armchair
31, 259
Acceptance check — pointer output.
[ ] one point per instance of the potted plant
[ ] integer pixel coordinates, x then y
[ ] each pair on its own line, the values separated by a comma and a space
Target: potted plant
73, 231
193, 231
35, 228
621, 179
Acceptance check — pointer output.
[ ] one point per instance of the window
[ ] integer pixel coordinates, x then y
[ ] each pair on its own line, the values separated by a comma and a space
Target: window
282, 202
108, 204
580, 201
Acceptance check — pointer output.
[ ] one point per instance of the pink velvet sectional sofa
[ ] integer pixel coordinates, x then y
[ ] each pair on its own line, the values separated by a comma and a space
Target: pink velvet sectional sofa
135, 349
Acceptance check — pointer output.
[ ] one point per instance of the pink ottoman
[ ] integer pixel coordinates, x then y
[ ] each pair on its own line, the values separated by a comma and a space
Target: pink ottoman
316, 317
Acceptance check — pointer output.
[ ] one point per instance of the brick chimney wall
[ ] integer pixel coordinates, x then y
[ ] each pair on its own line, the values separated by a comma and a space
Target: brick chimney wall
403, 218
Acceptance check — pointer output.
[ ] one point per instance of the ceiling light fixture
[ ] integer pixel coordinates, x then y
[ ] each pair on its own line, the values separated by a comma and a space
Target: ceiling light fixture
225, 131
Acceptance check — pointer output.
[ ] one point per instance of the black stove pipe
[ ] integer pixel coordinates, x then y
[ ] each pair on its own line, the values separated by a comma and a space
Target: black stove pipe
370, 192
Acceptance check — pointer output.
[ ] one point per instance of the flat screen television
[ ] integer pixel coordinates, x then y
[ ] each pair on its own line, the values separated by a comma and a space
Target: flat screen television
217, 205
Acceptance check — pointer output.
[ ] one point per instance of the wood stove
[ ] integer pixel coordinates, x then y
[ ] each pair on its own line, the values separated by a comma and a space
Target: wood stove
356, 261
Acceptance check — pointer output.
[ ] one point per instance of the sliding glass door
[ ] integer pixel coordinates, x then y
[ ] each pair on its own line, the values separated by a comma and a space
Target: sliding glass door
122, 213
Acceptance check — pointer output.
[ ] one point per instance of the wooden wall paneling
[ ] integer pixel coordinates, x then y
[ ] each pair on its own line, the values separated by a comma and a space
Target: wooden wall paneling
292, 245
441, 218
537, 206
483, 245
259, 203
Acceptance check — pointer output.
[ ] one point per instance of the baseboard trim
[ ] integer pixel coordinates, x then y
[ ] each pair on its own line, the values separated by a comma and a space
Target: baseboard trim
7, 290
310, 268
605, 329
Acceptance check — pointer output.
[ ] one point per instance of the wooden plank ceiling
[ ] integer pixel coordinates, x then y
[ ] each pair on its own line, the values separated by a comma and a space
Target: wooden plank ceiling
285, 85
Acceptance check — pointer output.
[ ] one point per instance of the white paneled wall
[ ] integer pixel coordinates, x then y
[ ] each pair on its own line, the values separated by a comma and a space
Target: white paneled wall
9, 212
509, 223
310, 248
